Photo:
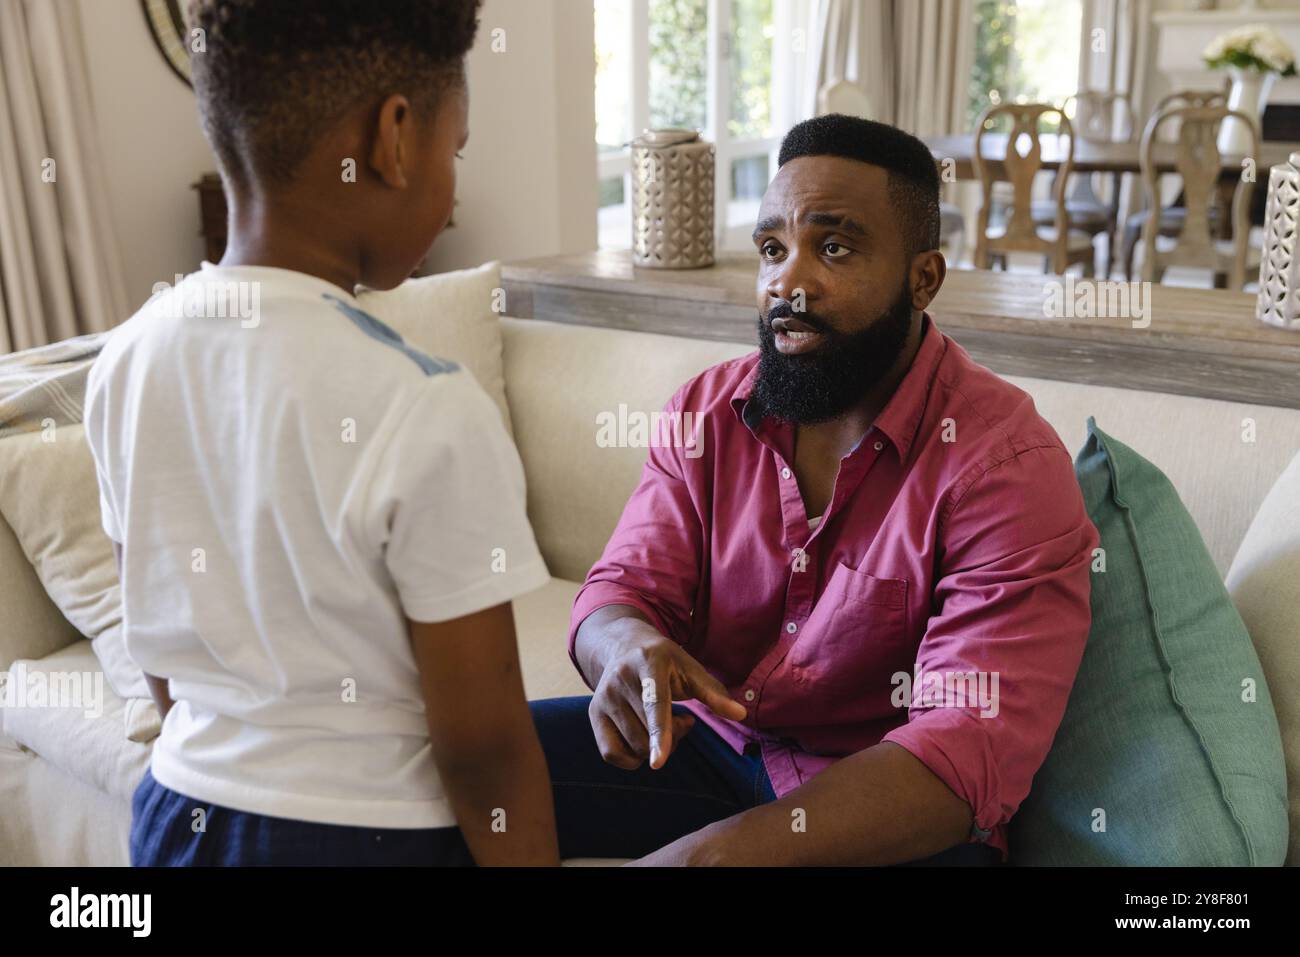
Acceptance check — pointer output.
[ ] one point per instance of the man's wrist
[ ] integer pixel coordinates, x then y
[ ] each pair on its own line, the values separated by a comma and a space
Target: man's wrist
605, 634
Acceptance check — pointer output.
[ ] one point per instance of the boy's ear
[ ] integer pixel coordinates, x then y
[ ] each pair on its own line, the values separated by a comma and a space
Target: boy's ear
392, 139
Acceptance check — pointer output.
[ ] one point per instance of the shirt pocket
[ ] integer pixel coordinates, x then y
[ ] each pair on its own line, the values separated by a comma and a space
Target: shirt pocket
856, 638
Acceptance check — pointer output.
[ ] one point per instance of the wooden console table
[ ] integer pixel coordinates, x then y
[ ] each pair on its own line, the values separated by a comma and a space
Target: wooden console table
1203, 342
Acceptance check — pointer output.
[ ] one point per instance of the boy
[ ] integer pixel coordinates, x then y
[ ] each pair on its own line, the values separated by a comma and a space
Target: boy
305, 509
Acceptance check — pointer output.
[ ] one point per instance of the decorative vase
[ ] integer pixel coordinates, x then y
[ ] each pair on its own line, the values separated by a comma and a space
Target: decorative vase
672, 200
1278, 302
1249, 94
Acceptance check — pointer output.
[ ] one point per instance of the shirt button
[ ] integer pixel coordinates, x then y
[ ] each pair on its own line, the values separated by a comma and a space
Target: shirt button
879, 446
749, 694
791, 627
785, 473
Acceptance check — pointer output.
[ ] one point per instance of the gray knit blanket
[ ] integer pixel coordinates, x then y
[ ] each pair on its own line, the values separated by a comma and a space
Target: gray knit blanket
46, 385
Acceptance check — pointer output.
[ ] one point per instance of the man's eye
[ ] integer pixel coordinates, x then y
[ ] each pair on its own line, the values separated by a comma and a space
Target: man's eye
769, 250
835, 250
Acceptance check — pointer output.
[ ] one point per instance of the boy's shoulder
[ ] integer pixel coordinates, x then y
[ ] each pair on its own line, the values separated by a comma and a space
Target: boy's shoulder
388, 337
302, 319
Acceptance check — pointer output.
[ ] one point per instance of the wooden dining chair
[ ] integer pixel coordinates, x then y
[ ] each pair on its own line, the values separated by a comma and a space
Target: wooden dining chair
1171, 216
1060, 245
1099, 117
1199, 165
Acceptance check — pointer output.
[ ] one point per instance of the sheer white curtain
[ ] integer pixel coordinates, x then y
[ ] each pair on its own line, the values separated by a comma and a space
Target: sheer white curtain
1115, 47
60, 273
912, 59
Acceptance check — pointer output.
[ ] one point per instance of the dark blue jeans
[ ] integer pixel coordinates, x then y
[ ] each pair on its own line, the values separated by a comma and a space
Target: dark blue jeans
604, 811
163, 835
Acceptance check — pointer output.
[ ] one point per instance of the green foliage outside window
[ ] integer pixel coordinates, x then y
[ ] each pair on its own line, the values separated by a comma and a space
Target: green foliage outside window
678, 63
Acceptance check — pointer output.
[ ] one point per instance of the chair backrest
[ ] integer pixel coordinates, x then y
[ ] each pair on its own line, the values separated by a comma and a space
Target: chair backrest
1191, 98
1187, 98
1199, 165
1019, 168
1102, 117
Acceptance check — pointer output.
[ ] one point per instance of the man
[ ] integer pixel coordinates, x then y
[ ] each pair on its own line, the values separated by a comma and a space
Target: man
871, 510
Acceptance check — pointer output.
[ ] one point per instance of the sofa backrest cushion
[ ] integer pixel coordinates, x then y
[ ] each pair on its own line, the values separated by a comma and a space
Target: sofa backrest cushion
1222, 457
559, 379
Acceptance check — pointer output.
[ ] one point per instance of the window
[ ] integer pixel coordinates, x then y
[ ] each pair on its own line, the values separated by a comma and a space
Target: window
712, 65
1025, 51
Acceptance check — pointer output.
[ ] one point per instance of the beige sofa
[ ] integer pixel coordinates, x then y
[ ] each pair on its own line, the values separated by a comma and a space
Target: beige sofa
66, 783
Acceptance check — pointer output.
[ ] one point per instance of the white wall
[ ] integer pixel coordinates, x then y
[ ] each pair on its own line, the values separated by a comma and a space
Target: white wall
527, 183
152, 146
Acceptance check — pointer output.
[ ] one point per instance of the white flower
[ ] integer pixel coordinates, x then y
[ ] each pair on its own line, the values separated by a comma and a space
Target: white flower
1256, 40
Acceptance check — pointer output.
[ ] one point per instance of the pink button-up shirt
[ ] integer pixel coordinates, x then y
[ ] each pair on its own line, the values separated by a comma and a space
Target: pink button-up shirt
954, 555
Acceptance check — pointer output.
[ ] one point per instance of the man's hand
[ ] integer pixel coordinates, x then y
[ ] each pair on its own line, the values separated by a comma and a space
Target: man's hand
638, 675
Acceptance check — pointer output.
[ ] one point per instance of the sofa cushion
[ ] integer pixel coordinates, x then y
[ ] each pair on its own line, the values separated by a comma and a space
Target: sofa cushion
49, 495
1264, 583
542, 629
33, 625
1169, 752
454, 315
559, 379
1222, 457
110, 751
94, 749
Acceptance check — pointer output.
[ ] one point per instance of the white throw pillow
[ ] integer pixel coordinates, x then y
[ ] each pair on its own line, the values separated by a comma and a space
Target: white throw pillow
1264, 582
50, 497
451, 315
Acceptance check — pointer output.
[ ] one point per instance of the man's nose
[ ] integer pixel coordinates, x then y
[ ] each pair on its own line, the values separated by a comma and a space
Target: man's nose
793, 282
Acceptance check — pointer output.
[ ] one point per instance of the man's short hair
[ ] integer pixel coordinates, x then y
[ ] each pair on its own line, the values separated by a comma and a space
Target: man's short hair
276, 73
913, 176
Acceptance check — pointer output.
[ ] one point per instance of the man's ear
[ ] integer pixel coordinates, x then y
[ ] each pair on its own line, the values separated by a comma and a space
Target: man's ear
392, 138
928, 271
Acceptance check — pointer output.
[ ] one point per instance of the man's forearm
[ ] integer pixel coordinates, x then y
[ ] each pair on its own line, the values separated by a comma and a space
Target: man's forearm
877, 807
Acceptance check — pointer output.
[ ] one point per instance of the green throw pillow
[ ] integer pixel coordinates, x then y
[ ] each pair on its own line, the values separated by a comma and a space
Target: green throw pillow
1169, 752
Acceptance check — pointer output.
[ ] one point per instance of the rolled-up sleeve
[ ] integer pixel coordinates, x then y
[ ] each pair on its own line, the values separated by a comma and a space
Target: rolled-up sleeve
652, 561
1011, 605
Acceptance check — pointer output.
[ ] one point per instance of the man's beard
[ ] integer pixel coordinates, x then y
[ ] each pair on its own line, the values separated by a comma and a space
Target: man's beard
827, 382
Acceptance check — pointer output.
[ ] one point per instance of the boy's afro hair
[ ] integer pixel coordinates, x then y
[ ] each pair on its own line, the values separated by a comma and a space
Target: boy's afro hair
274, 73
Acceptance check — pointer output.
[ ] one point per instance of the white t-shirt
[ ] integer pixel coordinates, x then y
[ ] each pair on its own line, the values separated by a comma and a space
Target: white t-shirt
288, 483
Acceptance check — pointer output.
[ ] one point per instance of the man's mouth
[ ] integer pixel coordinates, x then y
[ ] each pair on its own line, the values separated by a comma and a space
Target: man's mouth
794, 337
